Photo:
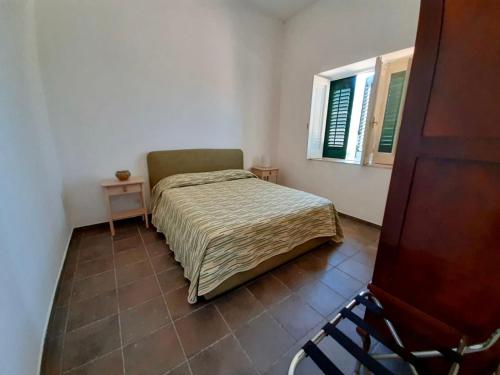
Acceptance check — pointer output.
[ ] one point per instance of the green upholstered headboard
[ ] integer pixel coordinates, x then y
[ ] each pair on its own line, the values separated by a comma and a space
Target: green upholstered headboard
162, 164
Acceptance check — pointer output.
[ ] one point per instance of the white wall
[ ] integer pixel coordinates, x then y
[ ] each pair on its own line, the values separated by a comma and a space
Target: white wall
326, 35
33, 231
124, 77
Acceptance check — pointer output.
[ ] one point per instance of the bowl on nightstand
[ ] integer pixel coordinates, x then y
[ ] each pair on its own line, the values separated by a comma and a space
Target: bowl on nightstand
122, 175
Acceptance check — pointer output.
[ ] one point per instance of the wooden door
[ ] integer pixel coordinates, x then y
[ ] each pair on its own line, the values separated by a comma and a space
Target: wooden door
438, 265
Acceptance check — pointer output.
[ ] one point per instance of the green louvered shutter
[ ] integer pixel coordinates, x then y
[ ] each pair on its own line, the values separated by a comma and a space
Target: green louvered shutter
338, 117
391, 113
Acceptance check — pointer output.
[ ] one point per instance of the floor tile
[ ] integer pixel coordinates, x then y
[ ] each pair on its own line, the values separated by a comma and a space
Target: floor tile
305, 367
143, 229
94, 230
89, 310
268, 290
321, 298
129, 256
138, 292
127, 243
180, 370
141, 320
349, 246
172, 279
71, 257
397, 366
110, 364
94, 267
292, 275
94, 252
87, 343
365, 257
357, 270
154, 354
341, 283
98, 240
63, 293
157, 248
125, 232
94, 285
296, 316
371, 249
200, 329
313, 264
150, 237
365, 234
133, 272
68, 271
223, 358
331, 253
238, 307
74, 244
57, 323
163, 262
178, 304
52, 356
264, 341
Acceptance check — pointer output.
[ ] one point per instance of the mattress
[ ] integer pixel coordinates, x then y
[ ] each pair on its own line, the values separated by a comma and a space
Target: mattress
225, 222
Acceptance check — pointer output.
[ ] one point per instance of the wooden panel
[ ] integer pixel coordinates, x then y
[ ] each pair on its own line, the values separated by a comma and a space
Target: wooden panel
466, 86
115, 182
124, 189
450, 224
438, 262
128, 213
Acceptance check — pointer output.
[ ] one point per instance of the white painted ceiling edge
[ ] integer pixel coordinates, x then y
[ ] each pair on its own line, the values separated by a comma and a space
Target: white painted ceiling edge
281, 9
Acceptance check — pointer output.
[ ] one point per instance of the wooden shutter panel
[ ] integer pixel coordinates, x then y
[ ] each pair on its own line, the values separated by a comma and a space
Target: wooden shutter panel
364, 114
338, 117
391, 114
319, 100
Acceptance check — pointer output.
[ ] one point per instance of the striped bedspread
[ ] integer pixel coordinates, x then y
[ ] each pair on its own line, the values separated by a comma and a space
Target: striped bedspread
225, 222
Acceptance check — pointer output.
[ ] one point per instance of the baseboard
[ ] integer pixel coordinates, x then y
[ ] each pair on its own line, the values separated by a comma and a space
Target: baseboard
49, 313
106, 223
361, 220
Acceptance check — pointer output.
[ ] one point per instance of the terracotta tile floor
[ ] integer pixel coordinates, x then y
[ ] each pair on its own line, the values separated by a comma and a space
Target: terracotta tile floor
121, 308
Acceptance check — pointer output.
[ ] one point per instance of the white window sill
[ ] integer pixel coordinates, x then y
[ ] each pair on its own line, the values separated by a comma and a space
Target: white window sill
353, 162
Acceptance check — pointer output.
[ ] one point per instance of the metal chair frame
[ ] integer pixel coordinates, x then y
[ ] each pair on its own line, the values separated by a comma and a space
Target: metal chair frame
370, 361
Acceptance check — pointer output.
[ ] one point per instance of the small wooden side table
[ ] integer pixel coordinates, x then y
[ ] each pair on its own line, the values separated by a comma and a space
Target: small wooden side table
134, 185
266, 174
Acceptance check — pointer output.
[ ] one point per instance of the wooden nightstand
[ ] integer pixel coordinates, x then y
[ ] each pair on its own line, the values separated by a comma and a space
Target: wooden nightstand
266, 174
134, 185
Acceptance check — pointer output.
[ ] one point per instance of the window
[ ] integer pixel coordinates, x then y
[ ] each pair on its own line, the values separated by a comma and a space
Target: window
356, 110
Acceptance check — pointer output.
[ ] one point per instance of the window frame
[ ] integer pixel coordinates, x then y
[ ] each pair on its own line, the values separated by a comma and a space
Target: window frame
372, 131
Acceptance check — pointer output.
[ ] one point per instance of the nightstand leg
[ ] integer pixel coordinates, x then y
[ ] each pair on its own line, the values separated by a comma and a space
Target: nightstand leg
143, 199
110, 213
112, 227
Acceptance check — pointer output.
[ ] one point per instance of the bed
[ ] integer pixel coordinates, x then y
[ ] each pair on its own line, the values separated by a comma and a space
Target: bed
224, 225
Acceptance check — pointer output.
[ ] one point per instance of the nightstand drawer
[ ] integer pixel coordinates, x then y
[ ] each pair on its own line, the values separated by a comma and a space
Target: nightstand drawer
125, 189
266, 174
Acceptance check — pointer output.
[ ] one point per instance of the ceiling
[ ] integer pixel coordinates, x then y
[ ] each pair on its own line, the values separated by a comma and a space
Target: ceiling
282, 9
